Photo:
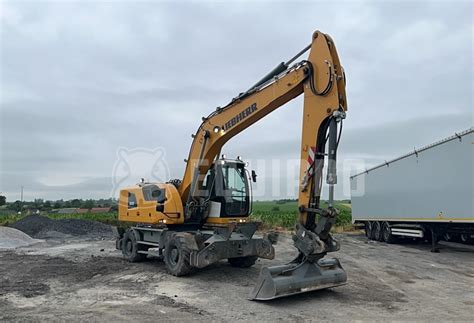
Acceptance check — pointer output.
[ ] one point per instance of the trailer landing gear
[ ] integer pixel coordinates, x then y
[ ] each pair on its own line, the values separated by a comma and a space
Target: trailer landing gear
434, 240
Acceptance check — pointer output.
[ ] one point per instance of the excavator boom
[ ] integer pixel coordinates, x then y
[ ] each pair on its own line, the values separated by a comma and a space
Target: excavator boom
322, 81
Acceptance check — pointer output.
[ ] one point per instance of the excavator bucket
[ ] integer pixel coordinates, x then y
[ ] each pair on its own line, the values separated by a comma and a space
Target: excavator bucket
295, 278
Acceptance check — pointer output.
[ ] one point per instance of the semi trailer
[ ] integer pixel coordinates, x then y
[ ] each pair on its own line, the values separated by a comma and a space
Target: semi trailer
425, 194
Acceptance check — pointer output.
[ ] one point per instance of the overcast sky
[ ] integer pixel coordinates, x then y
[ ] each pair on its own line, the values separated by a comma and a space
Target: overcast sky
96, 92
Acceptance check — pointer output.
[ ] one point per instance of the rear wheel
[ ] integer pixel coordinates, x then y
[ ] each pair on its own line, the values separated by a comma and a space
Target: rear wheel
387, 233
130, 247
448, 236
378, 231
466, 238
176, 256
243, 262
369, 230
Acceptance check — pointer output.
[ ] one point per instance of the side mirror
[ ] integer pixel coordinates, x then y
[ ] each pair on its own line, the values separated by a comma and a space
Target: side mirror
254, 176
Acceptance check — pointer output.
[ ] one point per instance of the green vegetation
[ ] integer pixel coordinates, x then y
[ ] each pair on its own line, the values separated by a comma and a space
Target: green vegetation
284, 213
109, 218
48, 205
7, 219
52, 209
280, 214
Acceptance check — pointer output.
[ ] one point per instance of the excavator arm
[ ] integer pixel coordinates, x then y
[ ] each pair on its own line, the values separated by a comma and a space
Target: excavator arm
322, 81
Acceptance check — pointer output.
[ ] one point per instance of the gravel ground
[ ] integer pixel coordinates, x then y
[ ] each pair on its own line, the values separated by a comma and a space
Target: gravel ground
88, 280
38, 226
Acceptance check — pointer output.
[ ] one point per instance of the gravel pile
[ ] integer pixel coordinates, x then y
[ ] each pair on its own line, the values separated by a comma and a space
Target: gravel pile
39, 226
13, 238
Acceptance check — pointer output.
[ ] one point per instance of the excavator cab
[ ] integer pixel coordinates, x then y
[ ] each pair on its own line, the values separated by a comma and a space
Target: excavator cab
226, 189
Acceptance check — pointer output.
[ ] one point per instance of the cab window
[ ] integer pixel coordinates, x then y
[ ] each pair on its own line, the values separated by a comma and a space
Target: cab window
154, 193
132, 200
236, 191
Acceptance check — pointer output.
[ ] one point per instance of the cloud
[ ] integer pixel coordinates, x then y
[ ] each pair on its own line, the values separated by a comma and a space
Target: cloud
78, 81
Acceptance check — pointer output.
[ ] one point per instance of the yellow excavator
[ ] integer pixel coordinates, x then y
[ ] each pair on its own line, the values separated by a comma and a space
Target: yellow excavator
203, 218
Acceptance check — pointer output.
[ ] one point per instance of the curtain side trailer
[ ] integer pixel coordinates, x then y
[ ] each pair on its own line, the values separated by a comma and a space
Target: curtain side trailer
425, 194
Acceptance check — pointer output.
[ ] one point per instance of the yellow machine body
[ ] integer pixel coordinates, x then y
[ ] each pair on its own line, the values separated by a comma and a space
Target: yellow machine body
138, 206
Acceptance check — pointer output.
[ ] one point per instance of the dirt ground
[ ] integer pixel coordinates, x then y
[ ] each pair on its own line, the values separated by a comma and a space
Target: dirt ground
88, 280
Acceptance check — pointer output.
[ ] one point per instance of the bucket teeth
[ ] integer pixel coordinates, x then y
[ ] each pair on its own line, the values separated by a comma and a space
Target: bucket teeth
294, 278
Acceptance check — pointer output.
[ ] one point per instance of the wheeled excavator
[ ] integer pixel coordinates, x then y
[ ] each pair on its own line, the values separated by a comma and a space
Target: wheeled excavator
204, 217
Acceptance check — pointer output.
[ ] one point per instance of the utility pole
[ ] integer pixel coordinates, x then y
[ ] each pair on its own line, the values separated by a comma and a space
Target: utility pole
21, 199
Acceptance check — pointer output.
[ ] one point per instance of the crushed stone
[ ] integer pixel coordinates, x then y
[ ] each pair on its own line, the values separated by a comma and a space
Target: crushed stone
38, 226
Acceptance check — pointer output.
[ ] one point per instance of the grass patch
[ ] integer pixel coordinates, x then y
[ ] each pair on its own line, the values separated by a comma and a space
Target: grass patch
7, 219
284, 215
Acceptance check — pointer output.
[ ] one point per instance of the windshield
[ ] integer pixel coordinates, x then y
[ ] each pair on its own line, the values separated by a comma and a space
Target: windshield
235, 189
234, 182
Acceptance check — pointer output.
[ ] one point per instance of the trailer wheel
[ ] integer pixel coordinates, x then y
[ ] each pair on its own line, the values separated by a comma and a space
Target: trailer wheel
130, 247
369, 230
387, 233
176, 256
378, 231
466, 238
243, 262
451, 237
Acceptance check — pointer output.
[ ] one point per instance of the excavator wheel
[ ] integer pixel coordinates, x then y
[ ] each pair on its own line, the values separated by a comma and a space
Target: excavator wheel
130, 247
176, 256
242, 262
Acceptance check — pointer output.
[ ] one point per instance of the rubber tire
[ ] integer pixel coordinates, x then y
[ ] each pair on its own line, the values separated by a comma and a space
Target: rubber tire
452, 237
369, 230
130, 247
378, 231
243, 262
387, 235
449, 237
465, 238
180, 266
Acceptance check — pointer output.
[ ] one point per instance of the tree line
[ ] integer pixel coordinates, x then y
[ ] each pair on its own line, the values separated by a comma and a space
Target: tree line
45, 205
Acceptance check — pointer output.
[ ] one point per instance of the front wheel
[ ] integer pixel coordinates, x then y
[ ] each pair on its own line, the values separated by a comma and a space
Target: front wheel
243, 262
176, 256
